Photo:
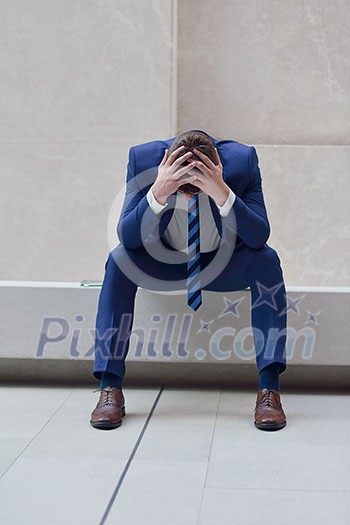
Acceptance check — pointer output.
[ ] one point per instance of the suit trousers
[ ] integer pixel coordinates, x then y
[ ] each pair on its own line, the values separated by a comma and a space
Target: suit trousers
127, 269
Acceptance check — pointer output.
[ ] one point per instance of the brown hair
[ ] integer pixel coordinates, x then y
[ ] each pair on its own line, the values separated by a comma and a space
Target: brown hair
193, 139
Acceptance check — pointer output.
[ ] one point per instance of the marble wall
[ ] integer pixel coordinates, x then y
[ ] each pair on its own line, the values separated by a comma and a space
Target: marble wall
276, 75
83, 81
80, 82
266, 71
307, 194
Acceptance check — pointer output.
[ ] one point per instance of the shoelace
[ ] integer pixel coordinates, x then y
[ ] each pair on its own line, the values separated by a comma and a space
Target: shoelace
107, 401
267, 400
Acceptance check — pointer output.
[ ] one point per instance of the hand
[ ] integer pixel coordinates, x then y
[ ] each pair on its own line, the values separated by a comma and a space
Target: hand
169, 178
207, 175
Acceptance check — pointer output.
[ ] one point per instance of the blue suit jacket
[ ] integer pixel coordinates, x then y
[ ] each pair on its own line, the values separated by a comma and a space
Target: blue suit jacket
247, 222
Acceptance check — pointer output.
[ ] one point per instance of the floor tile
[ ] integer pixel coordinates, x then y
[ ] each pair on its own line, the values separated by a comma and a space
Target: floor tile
266, 507
200, 454
160, 492
69, 470
57, 490
24, 412
25, 409
69, 433
245, 457
323, 418
181, 428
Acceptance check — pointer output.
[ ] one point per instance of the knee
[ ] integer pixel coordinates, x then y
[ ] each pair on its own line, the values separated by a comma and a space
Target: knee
122, 263
116, 258
117, 254
266, 261
268, 255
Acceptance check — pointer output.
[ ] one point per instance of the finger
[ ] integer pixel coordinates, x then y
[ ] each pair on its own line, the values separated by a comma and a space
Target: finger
202, 167
198, 184
196, 180
164, 157
181, 171
196, 171
218, 160
206, 160
186, 157
175, 154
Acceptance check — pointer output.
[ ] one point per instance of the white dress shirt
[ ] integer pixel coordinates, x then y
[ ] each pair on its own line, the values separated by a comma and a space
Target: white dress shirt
176, 233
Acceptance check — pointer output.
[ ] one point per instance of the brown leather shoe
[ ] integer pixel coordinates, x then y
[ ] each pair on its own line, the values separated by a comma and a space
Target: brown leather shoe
109, 410
269, 414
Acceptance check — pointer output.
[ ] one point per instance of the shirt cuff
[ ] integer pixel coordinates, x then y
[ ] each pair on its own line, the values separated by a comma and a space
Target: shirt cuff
226, 207
155, 206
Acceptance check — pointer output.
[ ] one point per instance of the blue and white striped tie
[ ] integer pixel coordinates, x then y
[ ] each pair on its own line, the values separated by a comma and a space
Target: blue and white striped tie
194, 296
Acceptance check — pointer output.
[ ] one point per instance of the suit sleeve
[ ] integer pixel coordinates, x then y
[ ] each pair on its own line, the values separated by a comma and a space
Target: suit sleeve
252, 224
138, 225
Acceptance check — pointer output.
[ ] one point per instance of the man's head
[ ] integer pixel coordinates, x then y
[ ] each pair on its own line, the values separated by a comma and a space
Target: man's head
193, 139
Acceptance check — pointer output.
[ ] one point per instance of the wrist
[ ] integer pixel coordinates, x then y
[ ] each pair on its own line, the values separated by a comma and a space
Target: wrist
221, 197
161, 199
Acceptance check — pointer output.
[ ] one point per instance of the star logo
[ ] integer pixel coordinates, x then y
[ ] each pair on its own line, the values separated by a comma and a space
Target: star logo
205, 326
312, 318
267, 295
231, 307
293, 304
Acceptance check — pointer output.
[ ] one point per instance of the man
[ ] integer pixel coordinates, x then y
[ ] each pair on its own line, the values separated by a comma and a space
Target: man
193, 217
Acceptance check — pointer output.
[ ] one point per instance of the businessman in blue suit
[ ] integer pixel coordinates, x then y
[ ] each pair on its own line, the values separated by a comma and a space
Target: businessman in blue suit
217, 243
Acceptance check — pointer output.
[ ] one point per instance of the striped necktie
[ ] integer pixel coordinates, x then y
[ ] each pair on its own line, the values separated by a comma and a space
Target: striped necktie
194, 296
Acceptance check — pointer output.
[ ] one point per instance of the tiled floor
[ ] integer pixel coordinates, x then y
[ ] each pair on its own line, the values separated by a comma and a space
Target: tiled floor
180, 457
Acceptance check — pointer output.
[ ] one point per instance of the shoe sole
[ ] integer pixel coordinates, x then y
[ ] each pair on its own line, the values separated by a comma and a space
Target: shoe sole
107, 425
270, 426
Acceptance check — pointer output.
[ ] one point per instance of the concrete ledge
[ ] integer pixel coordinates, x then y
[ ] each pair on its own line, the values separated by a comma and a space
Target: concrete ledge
230, 376
48, 335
